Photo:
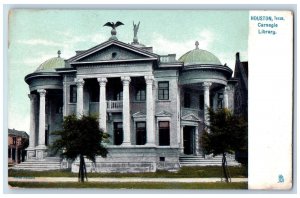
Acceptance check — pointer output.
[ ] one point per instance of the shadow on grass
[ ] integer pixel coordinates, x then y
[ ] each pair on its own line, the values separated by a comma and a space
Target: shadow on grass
184, 172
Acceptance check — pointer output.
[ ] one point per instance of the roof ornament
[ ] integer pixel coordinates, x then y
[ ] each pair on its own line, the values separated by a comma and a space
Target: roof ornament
135, 31
58, 53
197, 44
113, 30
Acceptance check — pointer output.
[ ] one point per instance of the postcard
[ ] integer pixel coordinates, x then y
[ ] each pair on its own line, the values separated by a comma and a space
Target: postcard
149, 99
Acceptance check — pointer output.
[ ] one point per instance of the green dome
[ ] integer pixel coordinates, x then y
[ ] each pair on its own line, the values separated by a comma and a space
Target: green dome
51, 64
199, 57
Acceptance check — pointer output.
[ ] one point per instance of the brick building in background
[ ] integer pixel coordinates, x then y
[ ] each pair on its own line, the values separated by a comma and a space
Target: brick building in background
17, 143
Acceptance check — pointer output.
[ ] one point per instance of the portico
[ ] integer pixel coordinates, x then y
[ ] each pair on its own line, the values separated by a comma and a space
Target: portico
43, 104
116, 97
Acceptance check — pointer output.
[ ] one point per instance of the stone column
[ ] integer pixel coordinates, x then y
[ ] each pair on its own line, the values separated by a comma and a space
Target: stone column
126, 110
150, 110
79, 105
225, 95
206, 86
197, 140
181, 140
102, 103
65, 98
16, 154
40, 151
31, 147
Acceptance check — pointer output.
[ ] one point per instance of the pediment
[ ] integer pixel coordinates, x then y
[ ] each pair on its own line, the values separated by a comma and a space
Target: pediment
190, 117
139, 115
163, 114
112, 51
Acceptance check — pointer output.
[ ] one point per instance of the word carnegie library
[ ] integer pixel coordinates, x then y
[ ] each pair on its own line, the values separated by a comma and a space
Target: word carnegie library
152, 106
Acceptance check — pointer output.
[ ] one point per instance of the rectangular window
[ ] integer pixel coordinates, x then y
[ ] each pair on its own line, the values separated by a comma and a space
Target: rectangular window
187, 100
201, 102
140, 95
118, 133
14, 140
162, 159
73, 93
140, 133
93, 90
220, 100
164, 133
118, 95
163, 90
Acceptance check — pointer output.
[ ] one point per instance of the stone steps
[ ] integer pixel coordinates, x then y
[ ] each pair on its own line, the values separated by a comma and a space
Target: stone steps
201, 161
49, 163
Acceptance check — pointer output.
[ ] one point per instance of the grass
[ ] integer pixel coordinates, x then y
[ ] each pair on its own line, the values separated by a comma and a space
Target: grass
132, 185
184, 172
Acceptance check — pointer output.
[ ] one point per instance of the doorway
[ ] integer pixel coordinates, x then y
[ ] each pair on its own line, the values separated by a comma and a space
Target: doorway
189, 140
118, 133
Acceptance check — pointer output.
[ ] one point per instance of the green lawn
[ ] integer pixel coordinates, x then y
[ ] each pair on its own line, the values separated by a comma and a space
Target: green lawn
184, 172
132, 185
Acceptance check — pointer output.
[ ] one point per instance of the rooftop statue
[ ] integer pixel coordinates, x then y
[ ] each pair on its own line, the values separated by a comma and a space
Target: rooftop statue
113, 30
135, 30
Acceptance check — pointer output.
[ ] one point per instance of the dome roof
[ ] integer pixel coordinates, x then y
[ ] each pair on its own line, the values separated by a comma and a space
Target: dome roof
199, 57
51, 64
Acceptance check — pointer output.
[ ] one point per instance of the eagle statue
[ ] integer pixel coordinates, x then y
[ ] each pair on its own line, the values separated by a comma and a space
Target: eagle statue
113, 30
113, 25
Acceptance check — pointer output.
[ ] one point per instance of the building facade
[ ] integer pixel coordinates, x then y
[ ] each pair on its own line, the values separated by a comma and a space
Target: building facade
17, 143
241, 91
152, 106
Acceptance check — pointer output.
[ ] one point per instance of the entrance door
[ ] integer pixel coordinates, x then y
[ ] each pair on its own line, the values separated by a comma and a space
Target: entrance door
118, 133
188, 140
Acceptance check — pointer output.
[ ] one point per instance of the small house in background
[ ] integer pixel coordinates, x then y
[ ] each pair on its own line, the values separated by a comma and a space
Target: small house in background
17, 143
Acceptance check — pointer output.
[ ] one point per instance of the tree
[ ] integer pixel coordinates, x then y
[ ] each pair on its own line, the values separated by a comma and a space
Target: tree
23, 146
80, 137
226, 133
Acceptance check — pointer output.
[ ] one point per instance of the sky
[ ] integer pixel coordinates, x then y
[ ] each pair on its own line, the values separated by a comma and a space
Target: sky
36, 35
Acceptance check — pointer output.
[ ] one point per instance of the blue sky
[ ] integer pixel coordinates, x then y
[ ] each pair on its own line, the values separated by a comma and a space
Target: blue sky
37, 35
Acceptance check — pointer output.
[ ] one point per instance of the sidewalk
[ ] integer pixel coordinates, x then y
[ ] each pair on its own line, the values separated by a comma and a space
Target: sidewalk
118, 180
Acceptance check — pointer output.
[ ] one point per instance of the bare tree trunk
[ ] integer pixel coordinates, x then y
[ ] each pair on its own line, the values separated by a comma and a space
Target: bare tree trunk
224, 164
84, 168
79, 172
81, 169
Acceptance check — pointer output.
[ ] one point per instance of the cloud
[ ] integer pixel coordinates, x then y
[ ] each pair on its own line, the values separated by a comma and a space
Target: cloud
34, 42
66, 42
18, 121
38, 59
163, 45
207, 40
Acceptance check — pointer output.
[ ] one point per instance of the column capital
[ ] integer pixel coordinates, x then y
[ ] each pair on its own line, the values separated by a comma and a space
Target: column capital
126, 80
226, 89
149, 79
79, 82
206, 85
102, 81
42, 92
32, 97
